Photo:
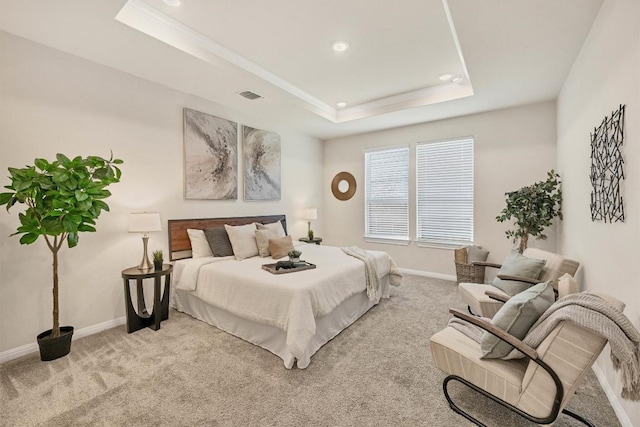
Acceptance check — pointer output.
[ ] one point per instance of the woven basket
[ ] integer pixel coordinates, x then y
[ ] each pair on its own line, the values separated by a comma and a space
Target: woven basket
467, 273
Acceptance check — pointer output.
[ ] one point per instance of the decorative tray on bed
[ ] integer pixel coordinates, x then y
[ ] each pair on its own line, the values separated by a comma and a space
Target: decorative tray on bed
283, 267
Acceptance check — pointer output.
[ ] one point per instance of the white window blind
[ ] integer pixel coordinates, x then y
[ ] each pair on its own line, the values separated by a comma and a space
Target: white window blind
444, 175
387, 194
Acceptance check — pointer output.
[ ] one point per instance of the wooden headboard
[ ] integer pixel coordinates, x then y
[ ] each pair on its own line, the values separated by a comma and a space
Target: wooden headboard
179, 242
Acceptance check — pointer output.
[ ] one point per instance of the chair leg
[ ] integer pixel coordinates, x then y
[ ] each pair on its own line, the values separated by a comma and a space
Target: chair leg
523, 414
455, 407
578, 417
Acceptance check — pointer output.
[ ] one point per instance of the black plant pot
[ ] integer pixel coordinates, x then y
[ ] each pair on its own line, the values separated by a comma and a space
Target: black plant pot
54, 348
157, 265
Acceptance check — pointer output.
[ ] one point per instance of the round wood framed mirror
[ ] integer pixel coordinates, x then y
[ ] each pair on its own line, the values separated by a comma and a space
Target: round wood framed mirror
343, 186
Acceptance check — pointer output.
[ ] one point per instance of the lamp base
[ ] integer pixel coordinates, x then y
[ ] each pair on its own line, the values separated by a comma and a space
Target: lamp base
145, 264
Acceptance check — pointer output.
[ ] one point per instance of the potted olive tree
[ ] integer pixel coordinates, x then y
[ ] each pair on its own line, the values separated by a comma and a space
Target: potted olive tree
532, 209
61, 198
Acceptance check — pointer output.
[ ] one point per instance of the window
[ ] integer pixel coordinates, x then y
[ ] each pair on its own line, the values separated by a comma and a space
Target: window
387, 194
444, 190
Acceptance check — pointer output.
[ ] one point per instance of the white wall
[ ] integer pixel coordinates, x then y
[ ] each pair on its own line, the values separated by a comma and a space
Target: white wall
605, 75
513, 147
52, 102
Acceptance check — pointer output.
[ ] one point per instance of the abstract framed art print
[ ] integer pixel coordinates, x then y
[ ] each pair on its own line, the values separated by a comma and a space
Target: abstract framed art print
210, 157
261, 153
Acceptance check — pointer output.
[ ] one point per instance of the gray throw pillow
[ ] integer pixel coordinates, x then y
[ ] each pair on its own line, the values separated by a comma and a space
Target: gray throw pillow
219, 241
516, 317
517, 264
476, 253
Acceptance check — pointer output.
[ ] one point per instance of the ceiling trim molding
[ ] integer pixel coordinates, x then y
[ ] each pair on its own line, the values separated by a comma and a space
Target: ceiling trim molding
403, 101
147, 19
151, 21
454, 34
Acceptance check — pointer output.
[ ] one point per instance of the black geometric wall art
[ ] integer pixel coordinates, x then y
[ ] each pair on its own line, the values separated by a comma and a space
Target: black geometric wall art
607, 169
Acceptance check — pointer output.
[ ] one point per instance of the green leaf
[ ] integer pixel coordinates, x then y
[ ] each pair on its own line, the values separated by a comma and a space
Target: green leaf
85, 227
5, 198
72, 239
80, 195
69, 225
28, 238
101, 173
62, 158
41, 164
99, 204
60, 176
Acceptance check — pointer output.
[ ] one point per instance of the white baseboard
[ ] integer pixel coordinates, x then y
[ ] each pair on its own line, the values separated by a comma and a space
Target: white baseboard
613, 398
23, 350
428, 274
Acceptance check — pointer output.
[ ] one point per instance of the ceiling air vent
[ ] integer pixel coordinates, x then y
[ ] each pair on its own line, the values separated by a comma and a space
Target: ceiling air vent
250, 95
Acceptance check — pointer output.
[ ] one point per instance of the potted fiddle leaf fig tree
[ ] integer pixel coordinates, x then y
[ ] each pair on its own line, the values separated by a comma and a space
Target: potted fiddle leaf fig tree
533, 208
62, 198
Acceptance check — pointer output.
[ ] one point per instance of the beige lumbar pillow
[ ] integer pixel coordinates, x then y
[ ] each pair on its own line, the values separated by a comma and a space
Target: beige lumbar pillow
280, 247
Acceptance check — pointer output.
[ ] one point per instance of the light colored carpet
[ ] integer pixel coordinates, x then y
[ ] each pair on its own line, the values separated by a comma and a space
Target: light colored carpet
378, 372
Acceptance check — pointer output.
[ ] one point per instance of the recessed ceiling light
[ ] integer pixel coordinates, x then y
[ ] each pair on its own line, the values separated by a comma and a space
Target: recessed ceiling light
174, 3
457, 79
341, 104
445, 77
340, 46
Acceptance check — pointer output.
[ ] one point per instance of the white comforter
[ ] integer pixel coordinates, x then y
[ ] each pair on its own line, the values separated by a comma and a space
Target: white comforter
291, 301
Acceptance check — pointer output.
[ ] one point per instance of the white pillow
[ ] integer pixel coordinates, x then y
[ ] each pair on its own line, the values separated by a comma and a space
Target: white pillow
262, 239
567, 285
275, 226
243, 240
199, 245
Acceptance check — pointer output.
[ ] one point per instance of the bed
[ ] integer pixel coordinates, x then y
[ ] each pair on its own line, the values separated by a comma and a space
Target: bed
291, 315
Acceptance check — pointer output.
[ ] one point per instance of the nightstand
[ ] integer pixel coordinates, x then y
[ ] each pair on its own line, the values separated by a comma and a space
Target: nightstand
315, 240
143, 318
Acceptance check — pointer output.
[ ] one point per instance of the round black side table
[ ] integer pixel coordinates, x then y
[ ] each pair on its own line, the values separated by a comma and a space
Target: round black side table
160, 312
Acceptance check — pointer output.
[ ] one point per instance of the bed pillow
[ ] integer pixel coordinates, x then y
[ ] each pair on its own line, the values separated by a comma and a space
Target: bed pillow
243, 240
262, 239
275, 226
516, 317
517, 264
219, 242
280, 247
199, 245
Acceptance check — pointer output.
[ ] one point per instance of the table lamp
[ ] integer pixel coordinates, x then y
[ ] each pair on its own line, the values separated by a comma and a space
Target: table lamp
310, 214
144, 223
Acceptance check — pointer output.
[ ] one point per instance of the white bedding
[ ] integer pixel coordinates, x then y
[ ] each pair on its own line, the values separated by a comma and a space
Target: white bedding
290, 302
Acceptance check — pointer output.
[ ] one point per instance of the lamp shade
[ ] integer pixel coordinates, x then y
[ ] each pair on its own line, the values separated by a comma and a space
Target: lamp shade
144, 222
310, 214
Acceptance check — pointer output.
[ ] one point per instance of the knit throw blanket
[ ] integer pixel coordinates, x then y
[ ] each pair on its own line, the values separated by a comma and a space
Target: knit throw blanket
594, 314
374, 289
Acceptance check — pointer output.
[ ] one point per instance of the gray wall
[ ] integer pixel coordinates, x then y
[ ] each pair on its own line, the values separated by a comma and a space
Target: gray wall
605, 75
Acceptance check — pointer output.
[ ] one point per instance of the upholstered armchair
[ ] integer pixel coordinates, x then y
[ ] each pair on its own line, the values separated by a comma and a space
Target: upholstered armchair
537, 386
486, 299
